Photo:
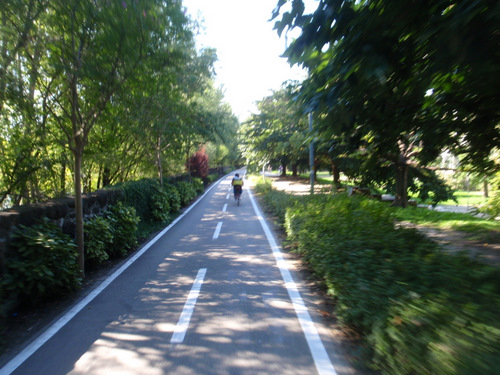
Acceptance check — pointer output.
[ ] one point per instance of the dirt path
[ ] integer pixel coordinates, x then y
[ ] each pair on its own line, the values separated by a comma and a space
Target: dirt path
452, 241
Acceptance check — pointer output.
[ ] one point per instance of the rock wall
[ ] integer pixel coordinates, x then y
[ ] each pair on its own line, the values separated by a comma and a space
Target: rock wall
61, 211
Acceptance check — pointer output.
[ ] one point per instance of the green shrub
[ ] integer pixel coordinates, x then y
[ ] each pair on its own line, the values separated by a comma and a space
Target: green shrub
124, 222
492, 207
98, 239
422, 311
173, 197
212, 177
42, 264
352, 244
186, 191
198, 185
137, 194
454, 330
159, 203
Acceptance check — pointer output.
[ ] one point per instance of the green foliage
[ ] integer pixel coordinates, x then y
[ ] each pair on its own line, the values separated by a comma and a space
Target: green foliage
187, 191
278, 202
492, 207
98, 239
159, 203
151, 201
432, 189
174, 199
198, 185
452, 330
124, 222
421, 310
212, 177
387, 118
278, 133
474, 227
41, 265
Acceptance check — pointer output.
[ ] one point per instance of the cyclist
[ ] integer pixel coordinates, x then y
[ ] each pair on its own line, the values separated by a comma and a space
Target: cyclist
237, 183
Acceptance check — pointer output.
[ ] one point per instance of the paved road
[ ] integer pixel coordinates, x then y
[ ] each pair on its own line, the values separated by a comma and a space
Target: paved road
210, 295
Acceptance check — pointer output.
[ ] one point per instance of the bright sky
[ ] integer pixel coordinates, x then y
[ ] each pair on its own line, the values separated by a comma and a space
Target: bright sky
248, 49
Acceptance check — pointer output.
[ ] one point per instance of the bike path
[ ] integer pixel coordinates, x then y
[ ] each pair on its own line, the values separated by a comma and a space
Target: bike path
216, 268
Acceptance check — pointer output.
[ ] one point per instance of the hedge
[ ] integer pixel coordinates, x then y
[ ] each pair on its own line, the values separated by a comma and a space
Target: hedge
420, 310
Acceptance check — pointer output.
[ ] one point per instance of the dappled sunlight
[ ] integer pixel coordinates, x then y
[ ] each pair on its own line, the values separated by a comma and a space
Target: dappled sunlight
124, 336
118, 359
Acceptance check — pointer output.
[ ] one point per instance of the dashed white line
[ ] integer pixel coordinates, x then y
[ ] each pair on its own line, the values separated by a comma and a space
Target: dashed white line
224, 208
187, 311
217, 231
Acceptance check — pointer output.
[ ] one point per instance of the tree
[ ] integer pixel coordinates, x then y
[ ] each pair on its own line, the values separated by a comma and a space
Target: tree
373, 64
278, 133
197, 165
96, 49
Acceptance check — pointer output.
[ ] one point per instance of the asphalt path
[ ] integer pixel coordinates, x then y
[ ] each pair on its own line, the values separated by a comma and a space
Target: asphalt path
211, 294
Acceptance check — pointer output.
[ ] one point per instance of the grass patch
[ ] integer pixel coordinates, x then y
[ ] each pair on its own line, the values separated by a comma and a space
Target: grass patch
475, 228
467, 198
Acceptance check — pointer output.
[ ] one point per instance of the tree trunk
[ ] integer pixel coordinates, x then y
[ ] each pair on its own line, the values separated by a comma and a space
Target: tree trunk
106, 176
158, 161
283, 171
295, 170
401, 199
79, 209
485, 186
336, 175
62, 180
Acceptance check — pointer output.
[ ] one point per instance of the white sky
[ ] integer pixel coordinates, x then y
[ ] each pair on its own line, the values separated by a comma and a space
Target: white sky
248, 49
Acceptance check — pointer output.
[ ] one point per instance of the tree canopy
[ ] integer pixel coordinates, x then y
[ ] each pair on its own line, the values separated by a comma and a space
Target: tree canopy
98, 92
398, 82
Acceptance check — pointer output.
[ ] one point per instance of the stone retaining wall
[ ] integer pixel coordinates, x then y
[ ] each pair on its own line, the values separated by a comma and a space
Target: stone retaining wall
61, 211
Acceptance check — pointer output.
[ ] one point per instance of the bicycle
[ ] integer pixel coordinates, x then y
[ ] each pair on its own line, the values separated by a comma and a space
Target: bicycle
237, 194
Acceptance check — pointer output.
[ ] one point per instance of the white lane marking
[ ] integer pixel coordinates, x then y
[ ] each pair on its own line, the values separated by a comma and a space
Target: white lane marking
321, 359
227, 196
217, 230
54, 328
224, 208
187, 311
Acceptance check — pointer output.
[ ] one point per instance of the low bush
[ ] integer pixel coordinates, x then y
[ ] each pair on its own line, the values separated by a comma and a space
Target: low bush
159, 203
198, 185
452, 329
174, 199
98, 239
212, 177
124, 222
137, 194
154, 202
42, 264
186, 191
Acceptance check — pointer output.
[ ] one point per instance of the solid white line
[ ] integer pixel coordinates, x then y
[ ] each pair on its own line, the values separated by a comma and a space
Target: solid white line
321, 359
224, 208
54, 328
217, 230
187, 311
